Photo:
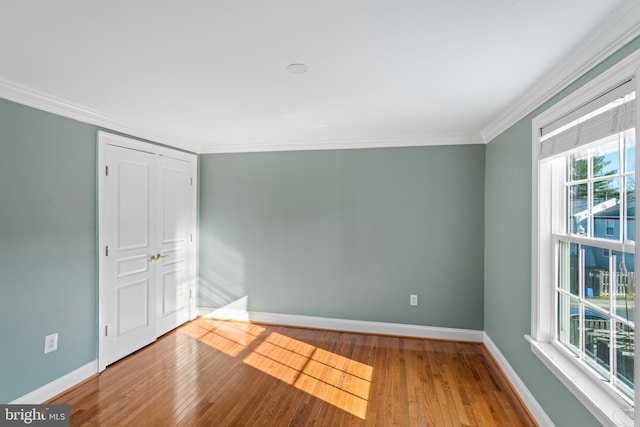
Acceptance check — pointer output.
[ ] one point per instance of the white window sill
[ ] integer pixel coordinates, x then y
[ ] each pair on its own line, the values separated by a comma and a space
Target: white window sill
609, 408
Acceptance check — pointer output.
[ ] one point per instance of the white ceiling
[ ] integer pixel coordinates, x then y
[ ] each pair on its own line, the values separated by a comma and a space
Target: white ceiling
211, 75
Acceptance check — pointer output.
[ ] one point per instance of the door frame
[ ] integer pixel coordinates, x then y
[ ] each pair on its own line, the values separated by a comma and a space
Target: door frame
104, 139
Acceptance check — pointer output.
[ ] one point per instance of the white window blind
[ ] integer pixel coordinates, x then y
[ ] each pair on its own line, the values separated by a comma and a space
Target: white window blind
610, 113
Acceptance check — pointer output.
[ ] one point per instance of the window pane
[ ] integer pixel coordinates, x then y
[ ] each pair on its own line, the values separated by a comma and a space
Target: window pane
569, 266
630, 202
578, 166
625, 285
625, 339
630, 151
596, 275
606, 190
606, 209
606, 159
569, 321
597, 338
578, 209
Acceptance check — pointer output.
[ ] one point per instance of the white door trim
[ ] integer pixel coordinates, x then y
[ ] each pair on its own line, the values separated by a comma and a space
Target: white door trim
105, 139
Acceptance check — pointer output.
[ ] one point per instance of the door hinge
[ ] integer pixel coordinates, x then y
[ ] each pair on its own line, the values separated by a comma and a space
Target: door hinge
106, 250
106, 170
191, 181
190, 237
106, 331
190, 294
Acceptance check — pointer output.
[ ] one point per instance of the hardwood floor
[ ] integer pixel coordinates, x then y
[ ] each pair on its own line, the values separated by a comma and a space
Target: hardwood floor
217, 373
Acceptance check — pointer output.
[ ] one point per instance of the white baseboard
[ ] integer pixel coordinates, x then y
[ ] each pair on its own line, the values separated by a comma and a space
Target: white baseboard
59, 385
345, 325
527, 398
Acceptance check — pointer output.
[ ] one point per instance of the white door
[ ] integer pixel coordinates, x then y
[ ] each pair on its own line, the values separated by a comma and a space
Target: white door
173, 306
130, 297
147, 260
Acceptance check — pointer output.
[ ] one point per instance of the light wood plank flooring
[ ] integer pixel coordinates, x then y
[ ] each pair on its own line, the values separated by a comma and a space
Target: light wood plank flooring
218, 373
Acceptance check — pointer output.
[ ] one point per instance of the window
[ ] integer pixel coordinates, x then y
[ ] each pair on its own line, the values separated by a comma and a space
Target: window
583, 299
595, 285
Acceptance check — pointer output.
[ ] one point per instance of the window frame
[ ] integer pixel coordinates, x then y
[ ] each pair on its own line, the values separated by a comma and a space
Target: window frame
608, 406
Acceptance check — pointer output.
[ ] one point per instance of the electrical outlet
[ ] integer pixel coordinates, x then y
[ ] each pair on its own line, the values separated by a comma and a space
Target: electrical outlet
50, 343
413, 300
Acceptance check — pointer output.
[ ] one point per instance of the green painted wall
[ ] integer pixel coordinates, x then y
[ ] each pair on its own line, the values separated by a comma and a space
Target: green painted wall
507, 298
346, 234
48, 266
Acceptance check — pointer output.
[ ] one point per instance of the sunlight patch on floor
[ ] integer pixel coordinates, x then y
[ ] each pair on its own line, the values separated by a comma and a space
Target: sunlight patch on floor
228, 337
337, 380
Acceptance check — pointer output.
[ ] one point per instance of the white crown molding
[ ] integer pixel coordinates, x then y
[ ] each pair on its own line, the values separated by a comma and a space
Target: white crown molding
618, 29
527, 397
42, 101
32, 98
341, 144
58, 385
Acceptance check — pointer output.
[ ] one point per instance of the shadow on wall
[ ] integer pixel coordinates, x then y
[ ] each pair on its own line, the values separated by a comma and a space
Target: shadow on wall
222, 275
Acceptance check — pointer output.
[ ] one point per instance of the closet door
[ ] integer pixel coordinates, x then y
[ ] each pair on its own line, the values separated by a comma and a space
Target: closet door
129, 280
146, 241
174, 214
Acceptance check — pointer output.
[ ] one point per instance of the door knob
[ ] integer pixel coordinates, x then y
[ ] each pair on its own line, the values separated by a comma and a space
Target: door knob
157, 257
